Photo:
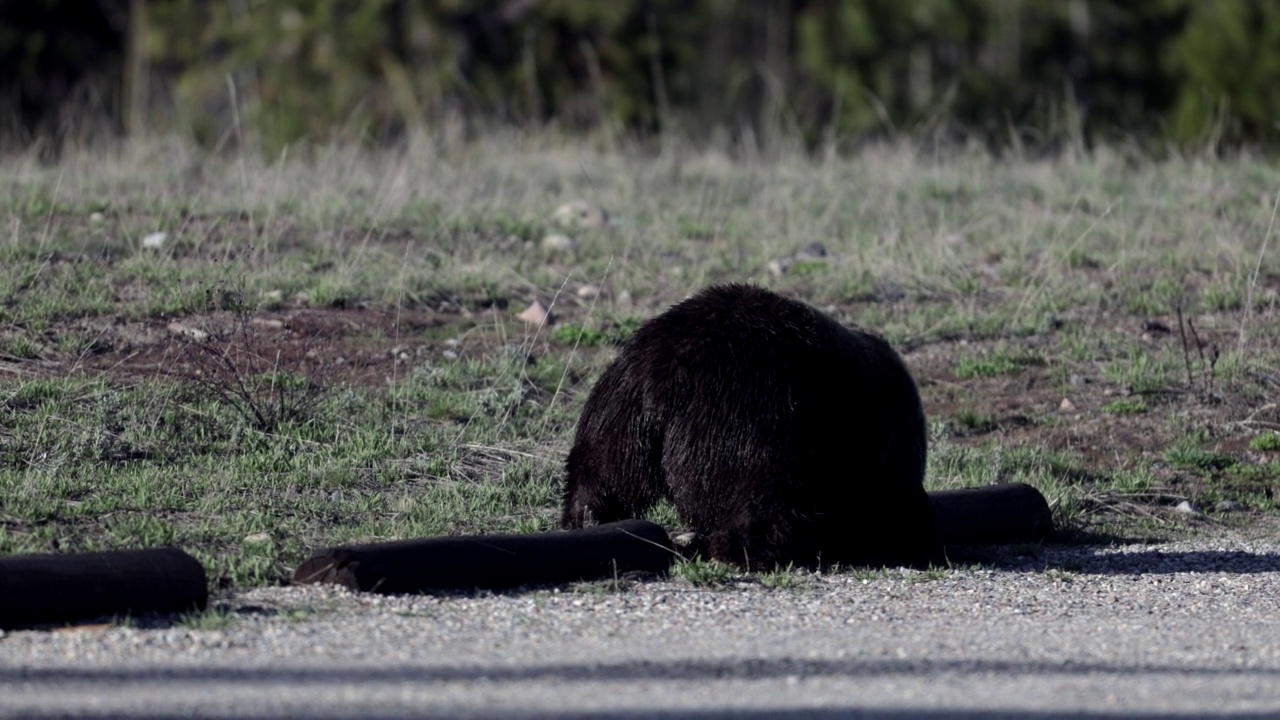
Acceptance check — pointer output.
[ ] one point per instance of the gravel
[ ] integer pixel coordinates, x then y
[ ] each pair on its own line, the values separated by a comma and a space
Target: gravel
1189, 628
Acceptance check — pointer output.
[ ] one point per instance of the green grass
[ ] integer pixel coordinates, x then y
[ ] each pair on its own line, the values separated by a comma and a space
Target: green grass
1192, 457
215, 617
1145, 372
1266, 442
782, 578
971, 422
1036, 272
1125, 406
703, 573
92, 466
996, 362
612, 333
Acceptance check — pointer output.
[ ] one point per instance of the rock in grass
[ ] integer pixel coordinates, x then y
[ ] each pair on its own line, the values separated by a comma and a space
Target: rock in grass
811, 252
557, 242
196, 334
257, 539
536, 314
580, 215
814, 252
1188, 508
155, 240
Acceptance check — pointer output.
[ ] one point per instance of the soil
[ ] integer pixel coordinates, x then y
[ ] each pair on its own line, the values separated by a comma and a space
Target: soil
1055, 405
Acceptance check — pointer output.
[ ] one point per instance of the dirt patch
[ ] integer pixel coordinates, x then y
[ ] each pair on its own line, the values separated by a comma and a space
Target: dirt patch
1105, 422
1060, 404
336, 345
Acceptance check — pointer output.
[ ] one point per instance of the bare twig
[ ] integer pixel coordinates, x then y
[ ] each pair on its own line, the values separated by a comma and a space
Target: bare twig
1186, 351
267, 393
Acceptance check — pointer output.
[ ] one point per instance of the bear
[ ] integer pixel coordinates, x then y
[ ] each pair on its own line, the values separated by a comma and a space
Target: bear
781, 436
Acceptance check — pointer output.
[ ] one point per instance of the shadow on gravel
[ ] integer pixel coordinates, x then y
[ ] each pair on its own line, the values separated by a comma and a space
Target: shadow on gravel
1156, 561
1107, 561
1161, 562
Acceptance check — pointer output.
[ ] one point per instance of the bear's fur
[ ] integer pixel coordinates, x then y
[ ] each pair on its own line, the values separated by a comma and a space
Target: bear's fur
780, 435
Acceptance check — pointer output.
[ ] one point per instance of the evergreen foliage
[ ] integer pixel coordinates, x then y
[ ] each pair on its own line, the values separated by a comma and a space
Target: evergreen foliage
271, 72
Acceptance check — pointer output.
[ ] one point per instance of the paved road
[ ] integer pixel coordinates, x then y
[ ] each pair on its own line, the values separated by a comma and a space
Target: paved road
1189, 630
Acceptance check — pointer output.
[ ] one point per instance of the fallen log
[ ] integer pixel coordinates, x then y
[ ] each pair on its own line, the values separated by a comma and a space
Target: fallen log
64, 588
992, 515
493, 562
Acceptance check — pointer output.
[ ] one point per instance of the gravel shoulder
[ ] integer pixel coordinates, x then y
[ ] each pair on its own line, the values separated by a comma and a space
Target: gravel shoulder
1186, 628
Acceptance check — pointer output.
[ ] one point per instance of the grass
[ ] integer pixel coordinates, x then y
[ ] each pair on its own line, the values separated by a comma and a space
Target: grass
1125, 406
704, 573
1266, 442
1194, 458
782, 578
994, 363
401, 397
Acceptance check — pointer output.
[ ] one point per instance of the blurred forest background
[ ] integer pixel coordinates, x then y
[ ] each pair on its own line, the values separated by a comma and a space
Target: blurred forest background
1011, 73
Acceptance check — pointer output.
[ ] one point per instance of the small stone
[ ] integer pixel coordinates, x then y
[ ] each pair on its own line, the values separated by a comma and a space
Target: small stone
449, 355
1187, 507
1066, 405
536, 314
97, 217
557, 242
588, 291
267, 323
155, 240
196, 334
1225, 506
812, 251
580, 214
260, 538
1155, 326
336, 496
684, 539
778, 268
623, 299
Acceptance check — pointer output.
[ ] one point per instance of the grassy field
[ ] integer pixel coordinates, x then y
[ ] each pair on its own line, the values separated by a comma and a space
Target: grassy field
325, 348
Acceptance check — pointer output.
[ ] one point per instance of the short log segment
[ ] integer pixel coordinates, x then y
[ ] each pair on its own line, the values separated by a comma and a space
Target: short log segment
493, 562
64, 588
992, 515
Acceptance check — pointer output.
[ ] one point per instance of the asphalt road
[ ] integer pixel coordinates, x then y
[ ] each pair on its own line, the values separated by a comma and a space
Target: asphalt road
1180, 630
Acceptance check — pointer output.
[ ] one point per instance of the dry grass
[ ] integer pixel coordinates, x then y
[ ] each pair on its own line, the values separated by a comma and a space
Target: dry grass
394, 278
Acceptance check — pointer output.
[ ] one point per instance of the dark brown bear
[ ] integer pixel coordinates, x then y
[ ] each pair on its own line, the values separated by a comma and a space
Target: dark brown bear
781, 436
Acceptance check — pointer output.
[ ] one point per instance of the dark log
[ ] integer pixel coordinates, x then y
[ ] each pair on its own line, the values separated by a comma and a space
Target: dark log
493, 561
992, 515
63, 588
